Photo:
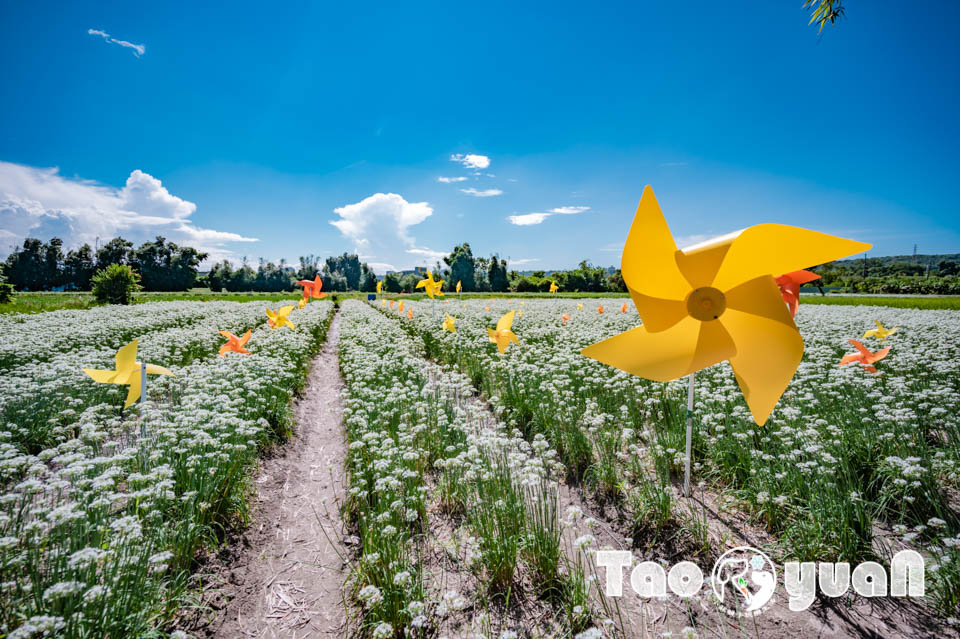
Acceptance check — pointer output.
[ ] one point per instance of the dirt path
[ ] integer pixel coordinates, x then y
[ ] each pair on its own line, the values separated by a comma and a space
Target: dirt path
286, 575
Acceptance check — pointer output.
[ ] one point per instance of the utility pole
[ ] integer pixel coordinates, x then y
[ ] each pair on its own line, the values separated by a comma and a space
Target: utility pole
864, 266
914, 253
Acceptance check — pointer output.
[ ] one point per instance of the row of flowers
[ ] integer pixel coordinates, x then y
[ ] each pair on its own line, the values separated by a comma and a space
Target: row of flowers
98, 531
423, 450
845, 455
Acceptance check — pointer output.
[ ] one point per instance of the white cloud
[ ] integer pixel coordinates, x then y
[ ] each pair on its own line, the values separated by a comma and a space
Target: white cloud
527, 219
138, 49
485, 193
522, 261
471, 160
449, 180
39, 202
379, 228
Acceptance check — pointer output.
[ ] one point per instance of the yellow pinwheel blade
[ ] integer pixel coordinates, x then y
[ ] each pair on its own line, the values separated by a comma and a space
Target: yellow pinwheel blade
772, 249
649, 263
686, 347
505, 322
769, 347
134, 393
153, 369
101, 377
127, 357
283, 312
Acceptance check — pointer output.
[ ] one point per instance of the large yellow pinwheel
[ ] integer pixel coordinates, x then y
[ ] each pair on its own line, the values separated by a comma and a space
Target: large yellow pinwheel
715, 301
127, 372
553, 287
431, 287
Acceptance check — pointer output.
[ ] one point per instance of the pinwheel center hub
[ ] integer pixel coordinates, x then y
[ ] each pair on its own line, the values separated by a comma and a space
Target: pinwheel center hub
706, 303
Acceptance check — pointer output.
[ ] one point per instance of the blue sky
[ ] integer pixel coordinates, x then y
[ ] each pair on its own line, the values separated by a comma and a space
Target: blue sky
242, 121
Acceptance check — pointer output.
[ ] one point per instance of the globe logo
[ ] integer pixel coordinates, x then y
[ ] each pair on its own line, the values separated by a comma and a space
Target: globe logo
744, 580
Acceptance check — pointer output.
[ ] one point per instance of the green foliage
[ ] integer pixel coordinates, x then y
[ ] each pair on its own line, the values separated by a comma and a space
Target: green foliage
116, 284
497, 275
349, 269
824, 11
391, 283
165, 266
462, 268
6, 290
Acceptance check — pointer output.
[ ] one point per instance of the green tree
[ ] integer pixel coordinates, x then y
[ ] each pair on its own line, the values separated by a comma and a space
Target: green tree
116, 251
497, 275
947, 267
165, 266
115, 284
349, 266
462, 268
53, 263
25, 267
391, 282
79, 267
368, 282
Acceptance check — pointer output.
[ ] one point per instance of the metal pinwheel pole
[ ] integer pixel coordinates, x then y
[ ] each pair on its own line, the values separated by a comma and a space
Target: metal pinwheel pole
686, 470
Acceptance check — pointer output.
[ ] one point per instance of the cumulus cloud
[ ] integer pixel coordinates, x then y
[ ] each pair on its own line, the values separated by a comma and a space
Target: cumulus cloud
39, 202
379, 227
529, 219
138, 49
449, 180
485, 193
471, 160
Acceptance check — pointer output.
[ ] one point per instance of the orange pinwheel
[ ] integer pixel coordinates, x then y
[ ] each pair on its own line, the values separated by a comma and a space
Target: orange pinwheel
565, 318
487, 308
409, 313
235, 344
391, 305
790, 284
623, 309
400, 307
600, 309
864, 356
311, 288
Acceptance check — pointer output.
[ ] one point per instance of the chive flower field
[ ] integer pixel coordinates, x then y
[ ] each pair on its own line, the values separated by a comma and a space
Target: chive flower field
478, 483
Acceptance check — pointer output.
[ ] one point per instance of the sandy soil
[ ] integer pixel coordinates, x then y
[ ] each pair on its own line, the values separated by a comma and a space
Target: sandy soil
284, 576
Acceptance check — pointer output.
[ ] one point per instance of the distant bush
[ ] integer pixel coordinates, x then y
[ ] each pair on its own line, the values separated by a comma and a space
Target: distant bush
115, 284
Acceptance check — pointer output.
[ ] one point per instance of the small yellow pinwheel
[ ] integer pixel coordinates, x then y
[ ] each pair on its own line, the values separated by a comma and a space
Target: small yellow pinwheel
502, 336
579, 307
459, 286
379, 286
715, 301
880, 332
432, 287
127, 372
280, 317
400, 307
448, 324
553, 287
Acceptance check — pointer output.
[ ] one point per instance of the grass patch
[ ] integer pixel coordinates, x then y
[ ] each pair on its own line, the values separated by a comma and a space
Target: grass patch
949, 303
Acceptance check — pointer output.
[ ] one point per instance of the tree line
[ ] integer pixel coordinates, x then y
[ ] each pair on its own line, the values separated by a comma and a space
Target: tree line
43, 266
